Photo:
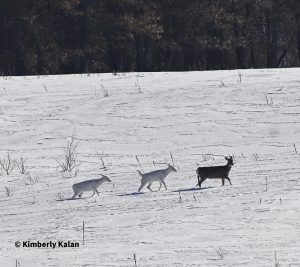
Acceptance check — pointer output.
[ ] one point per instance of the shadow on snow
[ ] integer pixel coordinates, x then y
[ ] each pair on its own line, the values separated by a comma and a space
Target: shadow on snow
70, 198
193, 189
142, 193
175, 191
131, 194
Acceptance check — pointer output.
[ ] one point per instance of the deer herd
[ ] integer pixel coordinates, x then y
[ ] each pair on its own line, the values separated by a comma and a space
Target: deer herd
203, 173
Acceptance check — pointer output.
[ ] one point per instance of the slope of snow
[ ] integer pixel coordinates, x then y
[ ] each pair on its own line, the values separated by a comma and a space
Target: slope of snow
198, 117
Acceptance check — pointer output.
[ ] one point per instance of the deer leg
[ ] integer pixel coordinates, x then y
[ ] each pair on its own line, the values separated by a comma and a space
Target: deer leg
201, 181
149, 187
163, 182
75, 195
160, 184
228, 180
223, 181
96, 191
141, 187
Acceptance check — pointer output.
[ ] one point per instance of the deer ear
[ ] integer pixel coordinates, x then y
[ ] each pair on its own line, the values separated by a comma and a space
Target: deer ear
226, 158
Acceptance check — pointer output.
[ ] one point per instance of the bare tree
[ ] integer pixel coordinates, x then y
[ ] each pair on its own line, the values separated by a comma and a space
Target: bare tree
31, 180
105, 92
220, 252
9, 191
103, 165
8, 164
70, 157
21, 164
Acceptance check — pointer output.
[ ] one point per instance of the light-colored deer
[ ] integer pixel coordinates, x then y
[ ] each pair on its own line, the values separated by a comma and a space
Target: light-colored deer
89, 185
216, 172
155, 176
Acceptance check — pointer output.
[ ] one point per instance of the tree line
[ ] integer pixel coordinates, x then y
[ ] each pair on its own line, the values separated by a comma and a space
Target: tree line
85, 36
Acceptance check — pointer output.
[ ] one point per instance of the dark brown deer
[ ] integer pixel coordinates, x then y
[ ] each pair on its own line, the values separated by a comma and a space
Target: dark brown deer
216, 172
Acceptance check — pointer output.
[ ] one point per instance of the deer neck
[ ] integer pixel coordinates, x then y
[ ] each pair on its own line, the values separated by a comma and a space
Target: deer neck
100, 181
167, 170
228, 167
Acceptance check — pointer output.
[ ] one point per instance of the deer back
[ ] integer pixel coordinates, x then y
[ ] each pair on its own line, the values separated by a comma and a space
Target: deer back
214, 172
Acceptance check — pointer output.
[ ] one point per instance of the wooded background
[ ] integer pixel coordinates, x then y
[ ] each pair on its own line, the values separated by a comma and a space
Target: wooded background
83, 36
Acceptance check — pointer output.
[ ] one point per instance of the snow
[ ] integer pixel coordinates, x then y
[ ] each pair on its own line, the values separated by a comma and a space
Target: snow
197, 116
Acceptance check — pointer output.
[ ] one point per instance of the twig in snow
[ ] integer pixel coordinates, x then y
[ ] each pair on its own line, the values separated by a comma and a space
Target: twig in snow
138, 85
9, 191
276, 260
269, 100
172, 159
105, 92
180, 198
206, 157
295, 148
240, 76
222, 83
21, 164
31, 180
8, 164
139, 162
45, 88
220, 252
83, 229
101, 157
60, 197
134, 258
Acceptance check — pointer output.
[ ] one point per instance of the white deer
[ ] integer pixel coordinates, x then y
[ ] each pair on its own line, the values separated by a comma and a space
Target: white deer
89, 185
155, 176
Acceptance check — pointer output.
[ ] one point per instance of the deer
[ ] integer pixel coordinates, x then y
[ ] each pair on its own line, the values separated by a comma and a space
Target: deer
155, 176
215, 172
89, 185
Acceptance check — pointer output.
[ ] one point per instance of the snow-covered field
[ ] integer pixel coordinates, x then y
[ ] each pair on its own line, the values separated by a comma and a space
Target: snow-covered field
198, 117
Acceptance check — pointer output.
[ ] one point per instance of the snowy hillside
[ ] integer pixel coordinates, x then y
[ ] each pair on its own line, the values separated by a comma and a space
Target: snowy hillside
197, 116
